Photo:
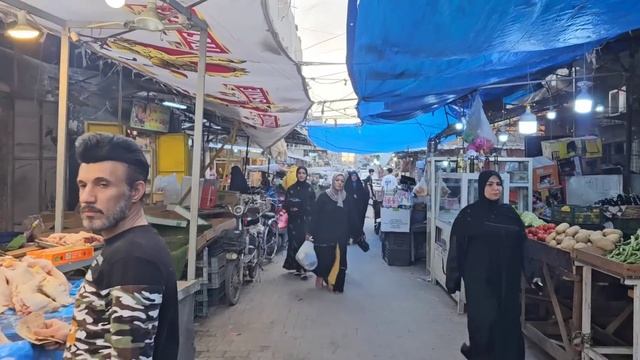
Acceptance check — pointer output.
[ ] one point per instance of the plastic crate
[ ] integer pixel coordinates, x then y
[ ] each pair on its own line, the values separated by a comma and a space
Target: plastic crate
397, 257
577, 215
64, 254
397, 240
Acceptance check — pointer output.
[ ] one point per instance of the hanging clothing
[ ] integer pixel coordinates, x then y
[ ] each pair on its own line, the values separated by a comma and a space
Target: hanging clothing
330, 231
238, 181
486, 251
299, 202
358, 198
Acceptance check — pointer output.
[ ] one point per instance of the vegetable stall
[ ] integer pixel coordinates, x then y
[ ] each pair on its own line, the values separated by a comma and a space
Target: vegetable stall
561, 314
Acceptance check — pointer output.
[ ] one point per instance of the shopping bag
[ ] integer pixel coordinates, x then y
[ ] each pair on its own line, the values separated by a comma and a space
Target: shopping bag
306, 256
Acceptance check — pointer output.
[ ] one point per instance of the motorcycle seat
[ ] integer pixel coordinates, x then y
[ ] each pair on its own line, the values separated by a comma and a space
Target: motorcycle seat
268, 215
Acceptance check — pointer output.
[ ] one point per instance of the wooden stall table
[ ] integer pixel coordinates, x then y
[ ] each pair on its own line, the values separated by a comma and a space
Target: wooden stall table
629, 275
556, 262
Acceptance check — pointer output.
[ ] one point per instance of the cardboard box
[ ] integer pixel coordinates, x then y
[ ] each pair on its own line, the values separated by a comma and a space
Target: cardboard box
395, 220
545, 177
588, 146
544, 199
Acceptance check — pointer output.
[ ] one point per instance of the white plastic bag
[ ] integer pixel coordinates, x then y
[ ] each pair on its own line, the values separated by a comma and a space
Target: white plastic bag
306, 256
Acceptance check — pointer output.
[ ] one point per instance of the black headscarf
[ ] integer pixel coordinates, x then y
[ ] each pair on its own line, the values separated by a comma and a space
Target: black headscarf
238, 181
305, 171
351, 186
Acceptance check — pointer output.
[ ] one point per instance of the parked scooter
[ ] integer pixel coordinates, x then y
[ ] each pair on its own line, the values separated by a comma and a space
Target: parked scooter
244, 247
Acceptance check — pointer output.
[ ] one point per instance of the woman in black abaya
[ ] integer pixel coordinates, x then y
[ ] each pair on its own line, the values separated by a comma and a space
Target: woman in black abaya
238, 181
358, 201
486, 251
330, 232
299, 202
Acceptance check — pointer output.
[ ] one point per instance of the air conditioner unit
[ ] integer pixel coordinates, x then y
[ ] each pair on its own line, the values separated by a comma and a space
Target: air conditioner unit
618, 101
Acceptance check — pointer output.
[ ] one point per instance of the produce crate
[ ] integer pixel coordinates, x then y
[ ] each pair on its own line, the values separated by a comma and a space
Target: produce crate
627, 226
64, 254
577, 215
397, 257
396, 248
397, 240
597, 259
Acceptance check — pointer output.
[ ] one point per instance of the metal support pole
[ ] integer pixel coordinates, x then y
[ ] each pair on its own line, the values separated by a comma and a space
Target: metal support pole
61, 153
197, 147
120, 97
246, 157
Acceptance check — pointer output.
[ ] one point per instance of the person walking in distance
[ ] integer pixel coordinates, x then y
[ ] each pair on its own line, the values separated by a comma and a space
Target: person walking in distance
330, 233
486, 251
358, 199
298, 203
127, 307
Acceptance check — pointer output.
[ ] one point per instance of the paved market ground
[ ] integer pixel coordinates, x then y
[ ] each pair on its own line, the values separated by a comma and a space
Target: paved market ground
385, 313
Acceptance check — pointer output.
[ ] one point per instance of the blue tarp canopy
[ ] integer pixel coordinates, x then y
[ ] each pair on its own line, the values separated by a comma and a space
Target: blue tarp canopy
366, 139
409, 57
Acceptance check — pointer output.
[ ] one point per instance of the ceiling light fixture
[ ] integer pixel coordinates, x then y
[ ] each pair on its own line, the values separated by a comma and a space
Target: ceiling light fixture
528, 123
22, 30
172, 104
503, 137
584, 102
552, 114
599, 108
149, 19
116, 4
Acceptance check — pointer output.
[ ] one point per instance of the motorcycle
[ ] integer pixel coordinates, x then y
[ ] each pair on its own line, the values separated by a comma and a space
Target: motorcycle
244, 248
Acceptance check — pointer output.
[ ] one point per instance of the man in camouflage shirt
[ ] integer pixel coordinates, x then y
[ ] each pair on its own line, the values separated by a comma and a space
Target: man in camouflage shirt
127, 307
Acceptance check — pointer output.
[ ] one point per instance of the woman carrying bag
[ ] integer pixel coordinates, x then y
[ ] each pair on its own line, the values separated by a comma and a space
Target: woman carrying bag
299, 202
330, 233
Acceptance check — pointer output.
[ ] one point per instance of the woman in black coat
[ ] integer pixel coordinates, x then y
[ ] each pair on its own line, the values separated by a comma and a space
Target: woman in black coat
358, 201
330, 232
238, 181
299, 202
486, 251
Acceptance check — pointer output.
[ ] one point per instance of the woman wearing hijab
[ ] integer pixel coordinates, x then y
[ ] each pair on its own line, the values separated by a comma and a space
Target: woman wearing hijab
486, 251
330, 231
298, 203
358, 199
238, 182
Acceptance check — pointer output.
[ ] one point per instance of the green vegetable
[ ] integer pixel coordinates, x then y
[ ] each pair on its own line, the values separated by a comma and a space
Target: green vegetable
16, 243
530, 219
538, 222
628, 252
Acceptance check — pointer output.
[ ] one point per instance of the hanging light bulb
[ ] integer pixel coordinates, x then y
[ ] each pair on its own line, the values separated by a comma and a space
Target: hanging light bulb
584, 102
459, 126
503, 137
22, 30
528, 123
599, 108
116, 4
552, 114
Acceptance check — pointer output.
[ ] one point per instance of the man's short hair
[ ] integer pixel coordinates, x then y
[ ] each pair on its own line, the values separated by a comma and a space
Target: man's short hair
98, 147
389, 170
371, 171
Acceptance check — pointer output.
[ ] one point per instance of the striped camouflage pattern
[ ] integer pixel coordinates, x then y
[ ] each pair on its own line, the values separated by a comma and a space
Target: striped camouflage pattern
115, 323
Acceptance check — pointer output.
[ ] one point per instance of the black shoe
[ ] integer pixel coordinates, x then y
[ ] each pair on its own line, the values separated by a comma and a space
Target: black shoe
466, 350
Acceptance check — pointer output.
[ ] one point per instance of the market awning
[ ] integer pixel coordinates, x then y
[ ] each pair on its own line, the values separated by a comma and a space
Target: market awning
406, 58
251, 74
367, 139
